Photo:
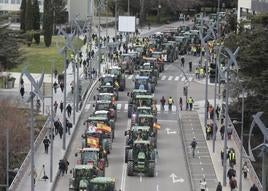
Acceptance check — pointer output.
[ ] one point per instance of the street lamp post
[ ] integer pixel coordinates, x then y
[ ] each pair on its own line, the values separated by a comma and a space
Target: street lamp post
99, 47
128, 7
242, 139
64, 100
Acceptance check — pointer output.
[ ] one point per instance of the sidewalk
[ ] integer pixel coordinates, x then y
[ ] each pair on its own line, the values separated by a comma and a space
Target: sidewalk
219, 145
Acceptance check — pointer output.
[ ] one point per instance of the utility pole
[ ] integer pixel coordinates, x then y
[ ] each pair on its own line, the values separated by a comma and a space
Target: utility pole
115, 19
99, 47
51, 127
128, 7
158, 11
64, 100
74, 97
32, 144
242, 139
7, 158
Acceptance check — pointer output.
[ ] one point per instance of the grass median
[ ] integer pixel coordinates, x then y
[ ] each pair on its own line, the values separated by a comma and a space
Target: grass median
38, 57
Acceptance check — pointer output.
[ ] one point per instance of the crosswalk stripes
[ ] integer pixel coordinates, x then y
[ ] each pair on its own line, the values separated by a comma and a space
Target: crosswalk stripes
170, 77
177, 78
123, 107
163, 77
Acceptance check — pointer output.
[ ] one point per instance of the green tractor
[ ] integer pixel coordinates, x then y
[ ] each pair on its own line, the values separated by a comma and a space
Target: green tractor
150, 74
109, 88
119, 76
92, 157
102, 184
139, 101
141, 159
82, 174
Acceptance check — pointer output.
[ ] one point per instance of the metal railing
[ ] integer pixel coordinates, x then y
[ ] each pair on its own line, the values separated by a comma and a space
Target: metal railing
252, 172
24, 166
185, 148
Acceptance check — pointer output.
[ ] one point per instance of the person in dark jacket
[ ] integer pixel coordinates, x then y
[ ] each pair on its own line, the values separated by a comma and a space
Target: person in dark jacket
254, 188
219, 187
62, 167
46, 142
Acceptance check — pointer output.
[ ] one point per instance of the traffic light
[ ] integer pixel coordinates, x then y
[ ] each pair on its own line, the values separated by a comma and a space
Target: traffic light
212, 73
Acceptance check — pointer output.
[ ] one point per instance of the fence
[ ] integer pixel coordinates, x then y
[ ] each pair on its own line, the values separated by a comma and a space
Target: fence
24, 166
252, 172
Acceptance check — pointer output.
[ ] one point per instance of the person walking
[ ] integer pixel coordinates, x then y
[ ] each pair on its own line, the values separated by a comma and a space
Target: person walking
60, 129
163, 101
233, 183
55, 86
182, 61
69, 110
66, 165
219, 187
222, 129
190, 66
245, 170
218, 112
61, 167
231, 173
203, 185
61, 106
46, 142
180, 102
193, 145
190, 102
22, 91
55, 106
254, 188
170, 102
61, 86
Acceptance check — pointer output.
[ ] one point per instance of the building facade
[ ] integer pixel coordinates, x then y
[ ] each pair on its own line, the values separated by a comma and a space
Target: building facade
246, 7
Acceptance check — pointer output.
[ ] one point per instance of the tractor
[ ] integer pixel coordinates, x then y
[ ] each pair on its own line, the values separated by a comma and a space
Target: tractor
119, 76
141, 159
143, 83
138, 101
144, 110
127, 63
82, 174
108, 88
150, 73
102, 184
106, 105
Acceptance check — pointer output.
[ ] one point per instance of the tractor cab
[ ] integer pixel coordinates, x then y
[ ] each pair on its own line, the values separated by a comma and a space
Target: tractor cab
119, 76
141, 158
106, 105
106, 96
143, 83
108, 88
102, 184
82, 174
149, 73
138, 101
127, 63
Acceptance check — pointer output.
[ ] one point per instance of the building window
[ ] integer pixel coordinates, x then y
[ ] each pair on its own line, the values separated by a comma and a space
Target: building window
6, 1
18, 2
13, 1
1, 1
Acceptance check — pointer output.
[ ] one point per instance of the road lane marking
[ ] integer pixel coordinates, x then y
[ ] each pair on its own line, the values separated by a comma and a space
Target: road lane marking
177, 78
163, 77
126, 106
157, 187
170, 77
140, 178
118, 106
202, 169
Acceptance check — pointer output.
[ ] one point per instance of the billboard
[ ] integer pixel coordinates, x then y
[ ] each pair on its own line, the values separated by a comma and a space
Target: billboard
127, 24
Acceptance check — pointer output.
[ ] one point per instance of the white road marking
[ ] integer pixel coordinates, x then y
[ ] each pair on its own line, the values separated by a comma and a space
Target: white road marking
158, 107
163, 77
157, 187
183, 79
140, 178
190, 79
123, 178
202, 169
119, 105
130, 77
126, 106
177, 78
170, 77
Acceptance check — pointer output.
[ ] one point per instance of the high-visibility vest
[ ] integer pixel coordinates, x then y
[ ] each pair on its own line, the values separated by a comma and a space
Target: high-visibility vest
170, 101
190, 100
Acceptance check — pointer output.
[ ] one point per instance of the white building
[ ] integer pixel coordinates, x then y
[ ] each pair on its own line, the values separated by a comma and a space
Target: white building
246, 7
14, 5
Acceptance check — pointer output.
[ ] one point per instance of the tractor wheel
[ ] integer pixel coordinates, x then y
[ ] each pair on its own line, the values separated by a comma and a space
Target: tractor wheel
130, 168
151, 170
126, 155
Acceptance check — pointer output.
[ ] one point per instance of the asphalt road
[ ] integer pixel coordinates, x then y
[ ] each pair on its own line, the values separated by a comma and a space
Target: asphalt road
171, 169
